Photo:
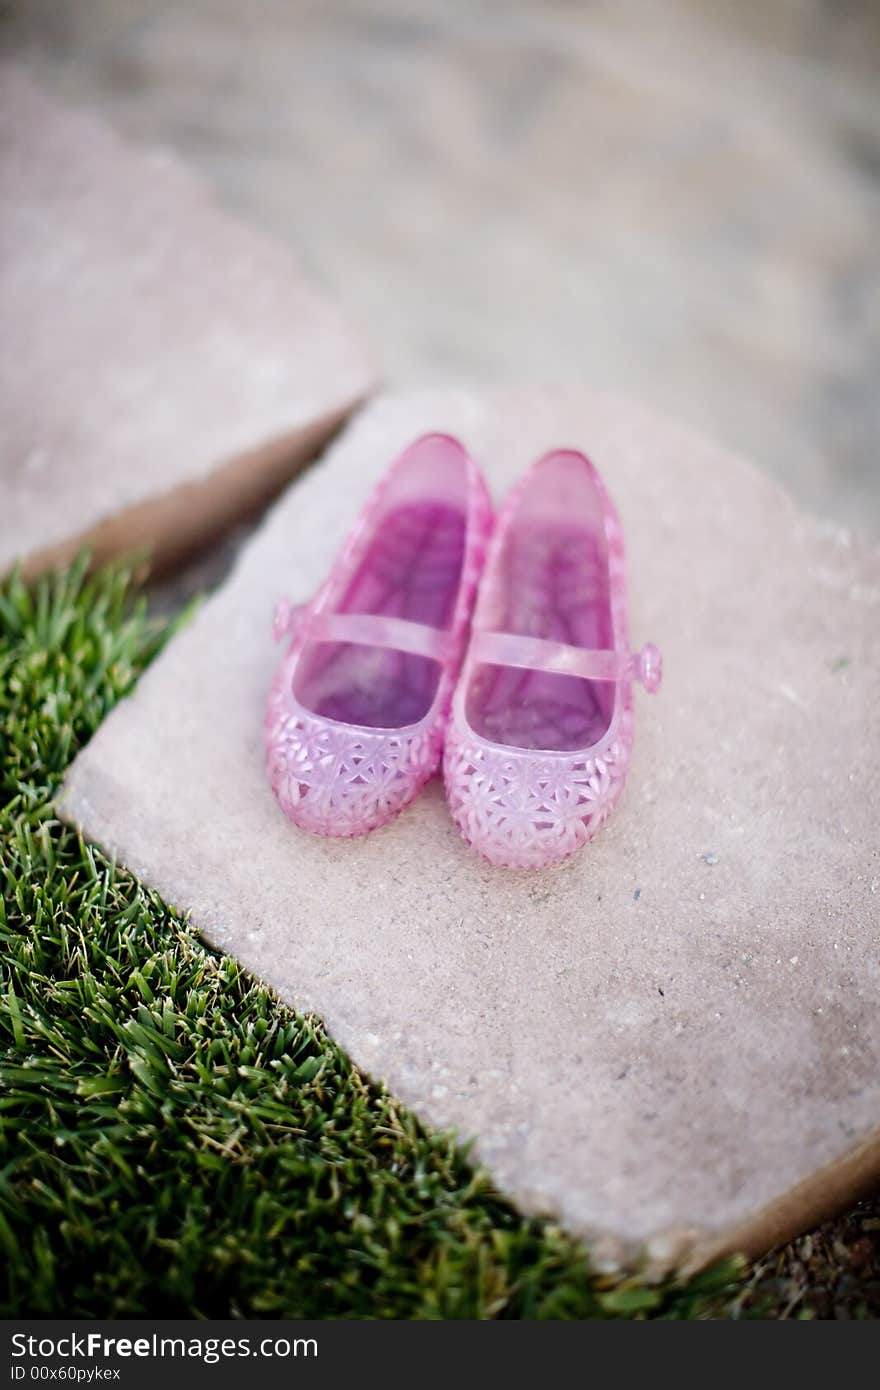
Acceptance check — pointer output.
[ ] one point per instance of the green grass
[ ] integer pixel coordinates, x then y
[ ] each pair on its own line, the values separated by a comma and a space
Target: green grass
175, 1141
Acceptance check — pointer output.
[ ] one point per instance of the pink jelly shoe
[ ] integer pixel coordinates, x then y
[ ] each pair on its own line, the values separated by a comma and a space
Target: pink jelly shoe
358, 710
541, 730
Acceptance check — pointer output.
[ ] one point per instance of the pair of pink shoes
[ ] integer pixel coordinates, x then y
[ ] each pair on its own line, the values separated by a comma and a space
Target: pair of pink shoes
525, 693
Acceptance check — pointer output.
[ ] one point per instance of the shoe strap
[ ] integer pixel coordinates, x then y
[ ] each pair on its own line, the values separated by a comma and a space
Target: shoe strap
375, 630
558, 658
362, 629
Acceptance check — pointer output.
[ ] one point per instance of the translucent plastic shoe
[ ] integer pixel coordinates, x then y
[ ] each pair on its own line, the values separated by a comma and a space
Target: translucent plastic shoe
358, 709
539, 740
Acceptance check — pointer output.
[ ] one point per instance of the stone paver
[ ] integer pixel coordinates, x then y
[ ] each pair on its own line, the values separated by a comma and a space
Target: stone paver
671, 1041
163, 369
675, 199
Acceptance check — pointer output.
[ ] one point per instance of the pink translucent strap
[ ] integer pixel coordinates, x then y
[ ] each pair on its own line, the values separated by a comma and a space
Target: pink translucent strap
364, 629
376, 630
535, 654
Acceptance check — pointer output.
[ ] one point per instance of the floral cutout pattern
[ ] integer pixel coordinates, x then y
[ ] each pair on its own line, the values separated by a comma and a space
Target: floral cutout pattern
334, 779
527, 812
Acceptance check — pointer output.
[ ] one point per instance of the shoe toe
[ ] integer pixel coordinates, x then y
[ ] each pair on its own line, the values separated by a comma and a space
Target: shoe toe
336, 780
523, 810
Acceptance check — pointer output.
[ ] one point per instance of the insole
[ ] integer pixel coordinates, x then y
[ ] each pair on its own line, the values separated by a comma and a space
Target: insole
412, 569
554, 581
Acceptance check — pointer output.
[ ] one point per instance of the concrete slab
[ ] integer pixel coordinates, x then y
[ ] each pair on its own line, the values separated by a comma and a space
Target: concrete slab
163, 368
672, 1041
675, 199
